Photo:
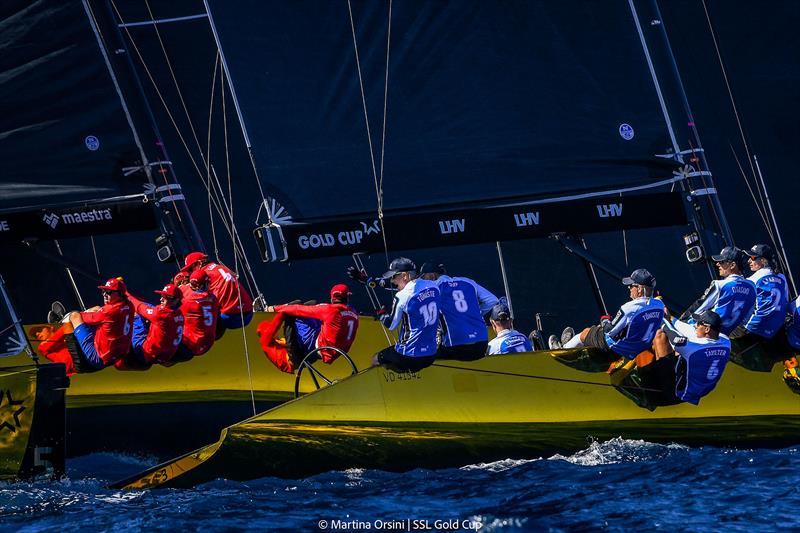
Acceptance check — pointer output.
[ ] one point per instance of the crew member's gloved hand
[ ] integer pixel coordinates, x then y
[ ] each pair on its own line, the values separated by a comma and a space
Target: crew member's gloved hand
383, 315
605, 321
357, 275
383, 283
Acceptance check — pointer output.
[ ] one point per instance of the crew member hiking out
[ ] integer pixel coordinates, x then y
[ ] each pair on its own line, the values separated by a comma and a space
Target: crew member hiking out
462, 306
104, 332
415, 310
157, 330
235, 304
689, 361
508, 340
731, 297
199, 308
307, 327
633, 328
772, 298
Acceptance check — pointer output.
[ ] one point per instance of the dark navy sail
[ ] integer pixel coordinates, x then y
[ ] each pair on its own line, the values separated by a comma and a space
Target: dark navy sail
64, 135
485, 100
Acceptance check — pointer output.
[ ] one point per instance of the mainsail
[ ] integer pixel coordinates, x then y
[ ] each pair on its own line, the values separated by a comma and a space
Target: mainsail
338, 112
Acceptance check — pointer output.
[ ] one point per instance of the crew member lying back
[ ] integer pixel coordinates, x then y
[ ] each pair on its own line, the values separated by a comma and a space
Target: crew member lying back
632, 330
689, 359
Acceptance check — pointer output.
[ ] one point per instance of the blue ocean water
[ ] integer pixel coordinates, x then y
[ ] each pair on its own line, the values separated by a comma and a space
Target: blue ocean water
614, 485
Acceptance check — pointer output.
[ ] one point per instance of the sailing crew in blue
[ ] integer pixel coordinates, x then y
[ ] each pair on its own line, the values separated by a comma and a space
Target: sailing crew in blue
415, 311
694, 364
463, 304
731, 297
633, 328
508, 340
772, 298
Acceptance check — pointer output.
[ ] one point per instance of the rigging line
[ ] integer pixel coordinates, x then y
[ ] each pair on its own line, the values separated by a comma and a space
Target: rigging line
158, 92
383, 132
164, 104
174, 79
94, 252
545, 378
655, 81
233, 233
208, 158
235, 255
235, 99
781, 249
71, 277
625, 240
759, 208
730, 91
104, 51
369, 134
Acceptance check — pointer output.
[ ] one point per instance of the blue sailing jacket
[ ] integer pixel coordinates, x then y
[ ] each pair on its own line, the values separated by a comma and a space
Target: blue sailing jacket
416, 312
732, 299
463, 304
509, 341
772, 298
635, 326
701, 362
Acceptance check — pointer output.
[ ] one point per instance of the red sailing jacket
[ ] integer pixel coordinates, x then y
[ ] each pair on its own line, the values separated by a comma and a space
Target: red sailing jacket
200, 311
223, 283
165, 333
339, 325
113, 330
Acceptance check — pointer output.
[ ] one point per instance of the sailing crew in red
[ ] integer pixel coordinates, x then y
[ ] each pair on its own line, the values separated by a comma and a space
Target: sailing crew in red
339, 321
200, 309
235, 303
157, 329
104, 333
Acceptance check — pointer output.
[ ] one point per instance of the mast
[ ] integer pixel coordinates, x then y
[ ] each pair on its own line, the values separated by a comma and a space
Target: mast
678, 154
713, 198
180, 221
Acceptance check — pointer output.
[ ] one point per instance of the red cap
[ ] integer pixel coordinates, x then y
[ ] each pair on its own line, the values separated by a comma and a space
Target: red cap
180, 278
191, 259
114, 284
199, 276
340, 291
170, 290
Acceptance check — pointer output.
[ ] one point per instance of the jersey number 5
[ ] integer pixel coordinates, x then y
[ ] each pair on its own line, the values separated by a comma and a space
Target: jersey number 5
208, 318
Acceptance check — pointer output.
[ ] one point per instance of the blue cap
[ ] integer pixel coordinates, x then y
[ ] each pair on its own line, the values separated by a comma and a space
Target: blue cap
708, 317
760, 250
501, 312
729, 253
640, 276
401, 264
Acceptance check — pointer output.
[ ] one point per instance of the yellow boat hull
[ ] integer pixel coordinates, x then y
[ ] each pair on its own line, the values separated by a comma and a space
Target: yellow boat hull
188, 404
452, 413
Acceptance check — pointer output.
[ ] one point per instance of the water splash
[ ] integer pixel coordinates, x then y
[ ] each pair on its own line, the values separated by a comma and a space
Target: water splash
619, 450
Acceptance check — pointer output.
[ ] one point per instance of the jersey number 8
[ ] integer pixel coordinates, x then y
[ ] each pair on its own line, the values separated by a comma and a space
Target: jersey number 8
460, 302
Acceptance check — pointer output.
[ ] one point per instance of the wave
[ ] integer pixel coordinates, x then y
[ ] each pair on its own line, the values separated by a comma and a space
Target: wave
620, 450
499, 466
